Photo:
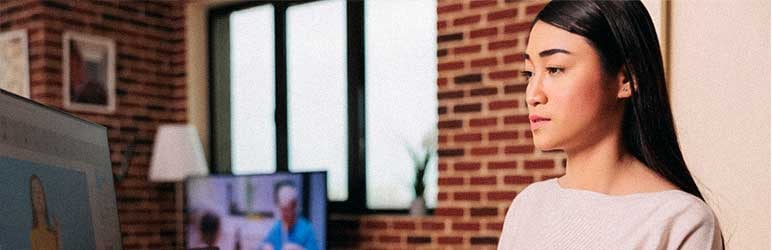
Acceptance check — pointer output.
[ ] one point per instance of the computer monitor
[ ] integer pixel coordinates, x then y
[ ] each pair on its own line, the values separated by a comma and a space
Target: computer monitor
267, 211
56, 182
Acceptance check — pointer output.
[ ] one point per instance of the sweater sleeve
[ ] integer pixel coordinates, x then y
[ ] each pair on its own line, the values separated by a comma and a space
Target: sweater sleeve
700, 230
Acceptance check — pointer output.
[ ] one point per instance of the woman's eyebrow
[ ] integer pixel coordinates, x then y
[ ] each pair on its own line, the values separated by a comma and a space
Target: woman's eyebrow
549, 52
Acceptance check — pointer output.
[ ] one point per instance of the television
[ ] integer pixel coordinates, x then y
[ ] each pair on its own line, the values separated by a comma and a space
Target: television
56, 180
263, 211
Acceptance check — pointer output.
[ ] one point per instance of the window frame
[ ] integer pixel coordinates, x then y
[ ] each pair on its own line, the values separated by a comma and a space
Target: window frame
218, 50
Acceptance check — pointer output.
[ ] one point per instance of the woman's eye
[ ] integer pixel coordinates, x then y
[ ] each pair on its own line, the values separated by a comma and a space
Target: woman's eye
526, 74
553, 70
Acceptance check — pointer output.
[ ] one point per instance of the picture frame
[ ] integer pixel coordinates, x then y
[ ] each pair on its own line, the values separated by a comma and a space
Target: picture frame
14, 62
88, 73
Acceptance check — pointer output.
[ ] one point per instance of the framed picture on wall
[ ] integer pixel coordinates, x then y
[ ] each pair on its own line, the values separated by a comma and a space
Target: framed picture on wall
14, 62
88, 75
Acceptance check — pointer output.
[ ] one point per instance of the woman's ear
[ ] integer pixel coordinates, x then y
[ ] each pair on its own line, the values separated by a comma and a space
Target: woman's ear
625, 87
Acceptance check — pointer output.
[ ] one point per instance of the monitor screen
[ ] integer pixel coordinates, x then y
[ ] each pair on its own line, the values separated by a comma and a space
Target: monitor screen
269, 211
56, 181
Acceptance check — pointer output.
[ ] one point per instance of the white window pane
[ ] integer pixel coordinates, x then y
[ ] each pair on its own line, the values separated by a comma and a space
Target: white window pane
401, 97
253, 131
316, 76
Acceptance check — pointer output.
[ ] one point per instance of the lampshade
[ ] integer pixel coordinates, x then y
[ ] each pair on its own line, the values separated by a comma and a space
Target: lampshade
177, 153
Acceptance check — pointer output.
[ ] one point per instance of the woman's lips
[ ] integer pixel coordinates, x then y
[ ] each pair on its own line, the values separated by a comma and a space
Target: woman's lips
537, 121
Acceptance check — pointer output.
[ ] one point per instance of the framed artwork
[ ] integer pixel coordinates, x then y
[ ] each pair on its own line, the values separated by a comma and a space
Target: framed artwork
88, 75
14, 62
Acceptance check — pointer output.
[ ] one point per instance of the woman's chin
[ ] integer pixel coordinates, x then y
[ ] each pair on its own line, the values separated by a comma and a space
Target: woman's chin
543, 144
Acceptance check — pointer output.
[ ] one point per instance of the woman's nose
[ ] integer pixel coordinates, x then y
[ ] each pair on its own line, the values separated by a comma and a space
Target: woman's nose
534, 93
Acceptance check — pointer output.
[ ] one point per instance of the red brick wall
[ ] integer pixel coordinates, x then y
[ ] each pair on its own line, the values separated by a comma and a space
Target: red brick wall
486, 151
150, 84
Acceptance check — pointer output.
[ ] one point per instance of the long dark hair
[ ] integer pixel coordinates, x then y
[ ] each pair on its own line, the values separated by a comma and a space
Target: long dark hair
623, 35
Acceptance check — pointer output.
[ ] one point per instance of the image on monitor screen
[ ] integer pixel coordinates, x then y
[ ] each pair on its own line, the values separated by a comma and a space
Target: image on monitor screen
269, 211
56, 181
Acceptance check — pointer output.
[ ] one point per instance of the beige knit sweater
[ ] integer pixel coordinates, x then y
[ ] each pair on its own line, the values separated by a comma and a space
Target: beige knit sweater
547, 216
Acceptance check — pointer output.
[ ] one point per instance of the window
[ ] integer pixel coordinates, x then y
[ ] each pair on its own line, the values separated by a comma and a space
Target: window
401, 98
288, 94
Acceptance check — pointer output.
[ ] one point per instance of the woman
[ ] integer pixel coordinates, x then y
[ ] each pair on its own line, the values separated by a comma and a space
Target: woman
596, 90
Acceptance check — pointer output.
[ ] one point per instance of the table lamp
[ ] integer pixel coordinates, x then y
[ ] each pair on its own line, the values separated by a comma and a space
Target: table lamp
177, 154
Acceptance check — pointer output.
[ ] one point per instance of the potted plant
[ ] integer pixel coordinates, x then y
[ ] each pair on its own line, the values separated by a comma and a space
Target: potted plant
421, 160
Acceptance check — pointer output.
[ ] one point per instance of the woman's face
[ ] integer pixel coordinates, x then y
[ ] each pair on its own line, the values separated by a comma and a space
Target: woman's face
571, 101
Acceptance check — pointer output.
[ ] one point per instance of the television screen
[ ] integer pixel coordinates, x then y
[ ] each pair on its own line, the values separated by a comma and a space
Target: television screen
269, 211
56, 180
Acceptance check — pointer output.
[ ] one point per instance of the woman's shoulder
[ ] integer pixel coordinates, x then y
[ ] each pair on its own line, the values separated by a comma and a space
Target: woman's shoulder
539, 189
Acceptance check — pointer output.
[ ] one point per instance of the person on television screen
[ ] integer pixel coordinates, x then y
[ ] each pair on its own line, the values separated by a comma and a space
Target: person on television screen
291, 232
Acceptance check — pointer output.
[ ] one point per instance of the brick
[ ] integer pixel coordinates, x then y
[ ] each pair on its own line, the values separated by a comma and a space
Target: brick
484, 211
502, 14
484, 32
516, 119
442, 24
389, 239
450, 37
483, 122
442, 81
497, 226
503, 44
466, 108
467, 49
450, 124
466, 226
501, 195
450, 66
484, 151
478, 240
450, 181
404, 225
504, 74
442, 110
518, 179
467, 137
466, 166
504, 104
485, 62
481, 3
450, 240
375, 225
419, 240
527, 149
517, 27
449, 211
502, 165
539, 164
519, 57
502, 135
516, 88
449, 8
489, 180
466, 20
442, 166
466, 196
442, 196
433, 226
484, 91
442, 52
450, 94
453, 152
467, 79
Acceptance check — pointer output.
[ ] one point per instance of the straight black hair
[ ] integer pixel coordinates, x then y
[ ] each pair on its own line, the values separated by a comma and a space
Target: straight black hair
623, 35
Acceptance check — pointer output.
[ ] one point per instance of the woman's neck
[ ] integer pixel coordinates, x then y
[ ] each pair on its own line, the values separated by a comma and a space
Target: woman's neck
600, 166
